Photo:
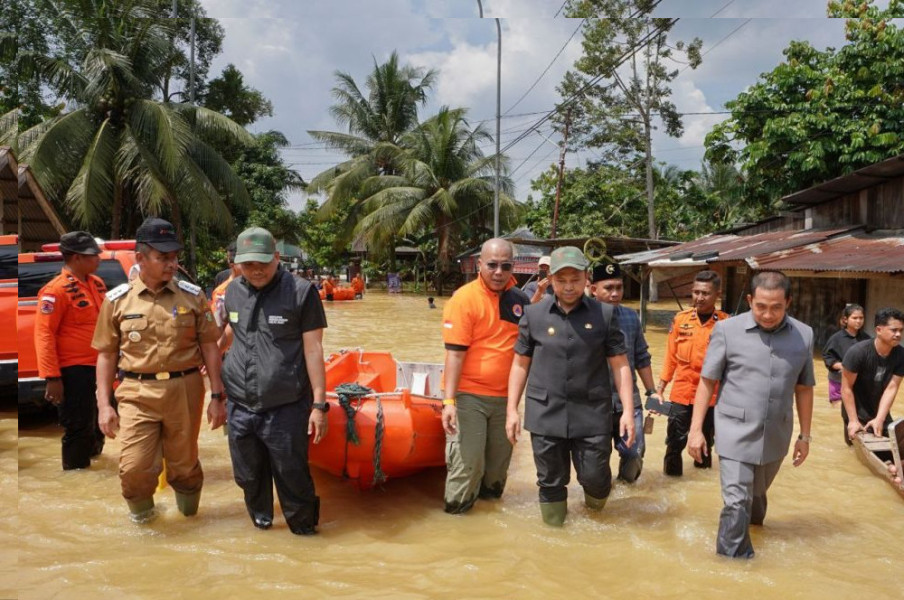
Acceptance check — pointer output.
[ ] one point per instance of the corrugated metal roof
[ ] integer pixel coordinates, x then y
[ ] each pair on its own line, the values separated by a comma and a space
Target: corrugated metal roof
688, 250
725, 248
763, 243
875, 252
861, 179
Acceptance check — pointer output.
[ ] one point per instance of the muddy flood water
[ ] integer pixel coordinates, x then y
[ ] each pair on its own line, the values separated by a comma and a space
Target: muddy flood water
833, 529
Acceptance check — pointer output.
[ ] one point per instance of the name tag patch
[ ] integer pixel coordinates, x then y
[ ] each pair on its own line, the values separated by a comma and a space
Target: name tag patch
277, 320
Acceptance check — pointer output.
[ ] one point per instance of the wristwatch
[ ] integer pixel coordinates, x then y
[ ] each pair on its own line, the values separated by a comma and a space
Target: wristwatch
324, 406
651, 392
217, 396
804, 437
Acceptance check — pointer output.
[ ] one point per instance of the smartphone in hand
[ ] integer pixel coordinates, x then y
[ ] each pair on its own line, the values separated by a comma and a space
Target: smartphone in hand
663, 407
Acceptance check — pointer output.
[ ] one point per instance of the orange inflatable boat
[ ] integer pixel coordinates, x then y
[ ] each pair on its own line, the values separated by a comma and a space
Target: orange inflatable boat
340, 293
392, 430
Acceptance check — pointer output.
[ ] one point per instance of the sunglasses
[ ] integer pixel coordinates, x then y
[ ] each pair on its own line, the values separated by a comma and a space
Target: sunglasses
505, 266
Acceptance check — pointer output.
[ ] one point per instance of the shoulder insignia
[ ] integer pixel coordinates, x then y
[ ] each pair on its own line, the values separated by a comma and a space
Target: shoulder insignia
190, 287
117, 292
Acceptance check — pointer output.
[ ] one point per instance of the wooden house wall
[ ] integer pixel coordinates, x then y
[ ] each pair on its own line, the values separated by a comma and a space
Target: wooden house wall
816, 301
879, 207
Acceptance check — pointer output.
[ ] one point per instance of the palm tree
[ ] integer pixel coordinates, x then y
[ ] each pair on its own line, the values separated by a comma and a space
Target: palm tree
444, 184
117, 152
376, 120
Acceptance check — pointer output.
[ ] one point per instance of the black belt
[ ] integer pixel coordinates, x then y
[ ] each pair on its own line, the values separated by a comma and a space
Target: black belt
163, 375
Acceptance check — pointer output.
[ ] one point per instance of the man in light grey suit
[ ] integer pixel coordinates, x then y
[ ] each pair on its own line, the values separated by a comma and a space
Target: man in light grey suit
761, 359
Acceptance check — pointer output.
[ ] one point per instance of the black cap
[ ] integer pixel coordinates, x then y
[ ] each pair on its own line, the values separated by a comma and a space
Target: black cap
606, 271
158, 234
78, 242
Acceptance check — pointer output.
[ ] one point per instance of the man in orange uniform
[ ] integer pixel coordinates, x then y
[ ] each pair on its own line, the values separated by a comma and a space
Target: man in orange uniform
358, 286
217, 298
329, 287
64, 325
480, 327
687, 344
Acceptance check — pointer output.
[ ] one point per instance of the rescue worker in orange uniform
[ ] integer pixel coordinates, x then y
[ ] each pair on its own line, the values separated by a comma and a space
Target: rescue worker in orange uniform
64, 324
329, 287
687, 343
158, 331
358, 286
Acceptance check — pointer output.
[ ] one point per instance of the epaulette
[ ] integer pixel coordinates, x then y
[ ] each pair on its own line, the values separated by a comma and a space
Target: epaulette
190, 287
117, 292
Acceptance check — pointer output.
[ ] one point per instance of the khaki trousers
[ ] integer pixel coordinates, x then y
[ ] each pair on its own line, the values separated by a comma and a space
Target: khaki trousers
160, 419
478, 455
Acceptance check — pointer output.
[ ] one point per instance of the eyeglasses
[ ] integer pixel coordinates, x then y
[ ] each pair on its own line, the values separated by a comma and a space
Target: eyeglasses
506, 266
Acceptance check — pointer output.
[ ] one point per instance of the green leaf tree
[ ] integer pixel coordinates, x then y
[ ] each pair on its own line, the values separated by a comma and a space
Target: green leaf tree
118, 152
228, 95
819, 114
622, 83
444, 183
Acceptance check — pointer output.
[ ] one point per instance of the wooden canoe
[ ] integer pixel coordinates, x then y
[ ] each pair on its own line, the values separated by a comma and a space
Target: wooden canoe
397, 429
878, 452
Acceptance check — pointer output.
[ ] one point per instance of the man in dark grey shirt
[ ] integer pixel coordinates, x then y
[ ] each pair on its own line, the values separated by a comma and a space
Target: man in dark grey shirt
871, 375
275, 383
565, 343
762, 361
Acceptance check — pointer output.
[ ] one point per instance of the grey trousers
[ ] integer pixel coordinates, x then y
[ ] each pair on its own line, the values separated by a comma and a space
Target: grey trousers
744, 487
478, 455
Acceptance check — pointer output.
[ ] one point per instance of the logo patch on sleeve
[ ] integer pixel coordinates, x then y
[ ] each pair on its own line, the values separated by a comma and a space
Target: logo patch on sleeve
447, 325
234, 317
47, 305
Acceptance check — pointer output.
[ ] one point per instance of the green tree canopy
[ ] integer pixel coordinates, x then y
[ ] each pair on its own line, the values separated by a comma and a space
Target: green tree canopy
118, 153
820, 114
228, 95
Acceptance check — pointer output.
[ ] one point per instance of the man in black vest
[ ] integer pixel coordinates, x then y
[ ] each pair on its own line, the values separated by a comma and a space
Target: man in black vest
564, 344
275, 383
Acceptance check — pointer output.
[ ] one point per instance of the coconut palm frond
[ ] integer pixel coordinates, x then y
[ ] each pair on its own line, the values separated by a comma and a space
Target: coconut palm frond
163, 129
55, 156
90, 196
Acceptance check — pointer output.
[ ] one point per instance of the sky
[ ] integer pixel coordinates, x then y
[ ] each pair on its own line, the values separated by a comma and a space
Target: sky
291, 49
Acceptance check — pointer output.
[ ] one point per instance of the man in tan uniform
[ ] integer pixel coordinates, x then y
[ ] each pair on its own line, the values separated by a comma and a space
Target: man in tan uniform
158, 332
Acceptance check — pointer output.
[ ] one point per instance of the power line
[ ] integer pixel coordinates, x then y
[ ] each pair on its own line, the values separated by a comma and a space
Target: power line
549, 66
560, 9
730, 2
621, 59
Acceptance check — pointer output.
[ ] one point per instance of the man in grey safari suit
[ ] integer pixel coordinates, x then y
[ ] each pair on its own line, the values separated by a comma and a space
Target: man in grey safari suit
762, 360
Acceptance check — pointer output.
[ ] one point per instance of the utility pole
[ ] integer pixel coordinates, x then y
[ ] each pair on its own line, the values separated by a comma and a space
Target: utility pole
555, 210
498, 118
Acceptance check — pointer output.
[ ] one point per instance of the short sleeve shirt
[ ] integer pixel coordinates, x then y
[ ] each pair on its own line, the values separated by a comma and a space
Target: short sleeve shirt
484, 324
155, 331
874, 373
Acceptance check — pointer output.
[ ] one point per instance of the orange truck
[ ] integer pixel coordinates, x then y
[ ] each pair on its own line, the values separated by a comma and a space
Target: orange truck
9, 284
35, 269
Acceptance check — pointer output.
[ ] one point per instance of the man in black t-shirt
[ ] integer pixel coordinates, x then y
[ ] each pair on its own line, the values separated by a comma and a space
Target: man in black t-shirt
871, 375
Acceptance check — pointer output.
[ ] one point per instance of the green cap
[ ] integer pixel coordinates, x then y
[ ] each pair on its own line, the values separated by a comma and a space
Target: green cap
565, 257
255, 244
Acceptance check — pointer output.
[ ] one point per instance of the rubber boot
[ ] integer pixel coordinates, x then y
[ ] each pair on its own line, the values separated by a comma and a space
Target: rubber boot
594, 503
188, 503
142, 511
629, 469
554, 512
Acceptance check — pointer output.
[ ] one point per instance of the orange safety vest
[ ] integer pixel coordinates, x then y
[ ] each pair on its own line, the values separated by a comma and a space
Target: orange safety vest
687, 343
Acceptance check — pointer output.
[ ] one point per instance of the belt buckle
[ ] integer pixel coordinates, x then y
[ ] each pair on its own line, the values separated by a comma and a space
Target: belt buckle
161, 376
